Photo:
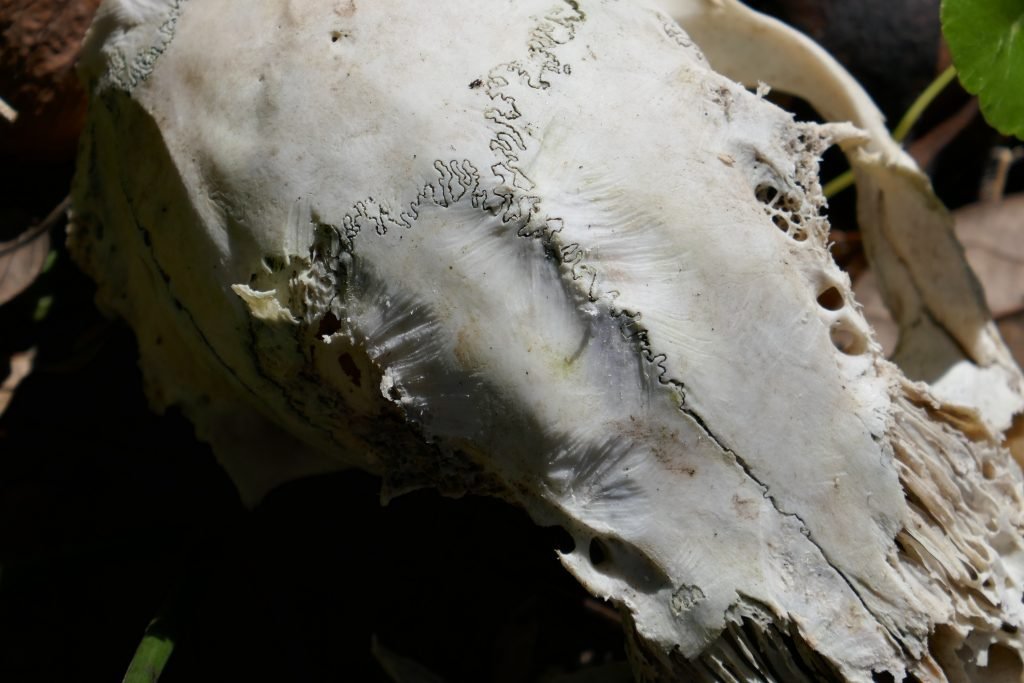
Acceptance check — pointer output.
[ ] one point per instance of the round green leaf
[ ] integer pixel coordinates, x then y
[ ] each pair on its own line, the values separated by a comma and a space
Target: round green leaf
986, 39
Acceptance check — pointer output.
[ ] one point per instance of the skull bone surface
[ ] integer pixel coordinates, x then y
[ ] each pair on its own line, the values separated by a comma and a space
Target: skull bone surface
542, 250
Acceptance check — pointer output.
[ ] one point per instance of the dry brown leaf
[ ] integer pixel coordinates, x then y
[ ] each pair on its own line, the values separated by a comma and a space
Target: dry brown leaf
21, 365
21, 260
992, 234
993, 237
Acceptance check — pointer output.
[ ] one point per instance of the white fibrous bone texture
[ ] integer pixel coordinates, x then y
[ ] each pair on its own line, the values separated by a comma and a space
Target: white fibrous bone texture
541, 250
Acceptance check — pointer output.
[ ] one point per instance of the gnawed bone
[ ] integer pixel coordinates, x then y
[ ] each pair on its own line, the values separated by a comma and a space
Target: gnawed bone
546, 253
947, 337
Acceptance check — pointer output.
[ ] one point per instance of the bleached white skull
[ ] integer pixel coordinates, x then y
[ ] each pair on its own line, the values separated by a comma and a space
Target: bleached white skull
542, 250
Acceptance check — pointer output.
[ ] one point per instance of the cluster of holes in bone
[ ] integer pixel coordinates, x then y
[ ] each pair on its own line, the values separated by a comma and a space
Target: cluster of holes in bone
597, 550
784, 211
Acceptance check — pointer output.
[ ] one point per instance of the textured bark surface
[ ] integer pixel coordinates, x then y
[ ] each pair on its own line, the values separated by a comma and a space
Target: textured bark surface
551, 255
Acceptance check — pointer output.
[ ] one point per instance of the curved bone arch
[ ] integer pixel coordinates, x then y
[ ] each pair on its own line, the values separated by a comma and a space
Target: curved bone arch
546, 252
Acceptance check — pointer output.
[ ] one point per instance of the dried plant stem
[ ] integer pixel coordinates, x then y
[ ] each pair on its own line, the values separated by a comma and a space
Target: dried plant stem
922, 102
993, 185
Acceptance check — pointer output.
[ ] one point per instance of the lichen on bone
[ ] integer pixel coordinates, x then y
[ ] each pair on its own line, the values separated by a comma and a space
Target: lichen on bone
552, 256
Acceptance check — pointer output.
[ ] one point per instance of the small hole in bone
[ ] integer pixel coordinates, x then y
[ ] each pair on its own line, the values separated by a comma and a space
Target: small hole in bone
560, 539
780, 222
1004, 664
831, 299
273, 264
847, 339
882, 677
598, 552
800, 235
790, 203
350, 368
329, 324
765, 193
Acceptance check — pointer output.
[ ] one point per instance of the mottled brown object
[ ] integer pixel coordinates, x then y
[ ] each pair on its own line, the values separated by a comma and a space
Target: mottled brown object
991, 234
39, 44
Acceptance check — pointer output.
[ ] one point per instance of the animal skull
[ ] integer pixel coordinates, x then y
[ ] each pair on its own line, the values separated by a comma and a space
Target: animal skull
542, 250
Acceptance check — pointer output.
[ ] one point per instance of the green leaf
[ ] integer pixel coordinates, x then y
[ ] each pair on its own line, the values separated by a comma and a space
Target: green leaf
986, 39
151, 656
